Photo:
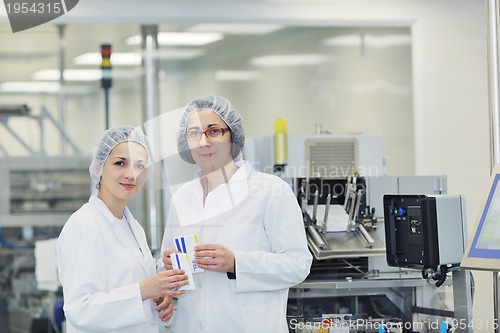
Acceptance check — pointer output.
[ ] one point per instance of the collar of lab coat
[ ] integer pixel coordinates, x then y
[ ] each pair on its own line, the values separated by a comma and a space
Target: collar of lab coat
136, 230
188, 202
107, 213
244, 169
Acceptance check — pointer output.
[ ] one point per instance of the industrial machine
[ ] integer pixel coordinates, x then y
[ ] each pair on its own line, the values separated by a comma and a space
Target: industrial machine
42, 190
415, 239
340, 182
350, 272
429, 233
321, 155
39, 192
39, 189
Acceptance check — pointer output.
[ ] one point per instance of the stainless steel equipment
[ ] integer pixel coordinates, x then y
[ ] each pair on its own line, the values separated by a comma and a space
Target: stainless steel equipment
39, 189
38, 194
321, 155
355, 235
42, 190
350, 275
340, 181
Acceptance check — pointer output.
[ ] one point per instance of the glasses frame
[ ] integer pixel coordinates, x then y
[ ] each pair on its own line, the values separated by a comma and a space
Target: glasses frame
223, 130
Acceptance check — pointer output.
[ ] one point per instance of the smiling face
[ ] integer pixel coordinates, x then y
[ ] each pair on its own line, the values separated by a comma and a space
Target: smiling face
123, 174
210, 154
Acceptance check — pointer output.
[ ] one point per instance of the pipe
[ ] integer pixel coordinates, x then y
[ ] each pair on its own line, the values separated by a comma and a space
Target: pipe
153, 200
62, 97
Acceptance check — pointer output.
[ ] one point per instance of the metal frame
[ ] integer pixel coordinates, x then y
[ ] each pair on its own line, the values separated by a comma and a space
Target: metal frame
40, 120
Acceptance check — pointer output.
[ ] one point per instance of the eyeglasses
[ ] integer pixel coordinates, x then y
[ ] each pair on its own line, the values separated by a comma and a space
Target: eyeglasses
211, 133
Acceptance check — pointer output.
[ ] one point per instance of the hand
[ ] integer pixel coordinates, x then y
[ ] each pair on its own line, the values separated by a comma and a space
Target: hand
167, 262
165, 307
163, 283
214, 257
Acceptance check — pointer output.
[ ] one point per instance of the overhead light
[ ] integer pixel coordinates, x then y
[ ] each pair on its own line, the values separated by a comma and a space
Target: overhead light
236, 29
350, 40
135, 58
224, 75
82, 74
188, 38
30, 87
178, 54
117, 58
379, 85
289, 60
42, 87
180, 38
369, 40
69, 75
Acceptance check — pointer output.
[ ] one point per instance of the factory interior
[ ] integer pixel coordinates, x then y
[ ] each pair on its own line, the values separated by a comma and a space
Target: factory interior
391, 105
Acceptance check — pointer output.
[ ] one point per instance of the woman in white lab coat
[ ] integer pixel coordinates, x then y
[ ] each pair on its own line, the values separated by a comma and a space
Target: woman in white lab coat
252, 242
105, 266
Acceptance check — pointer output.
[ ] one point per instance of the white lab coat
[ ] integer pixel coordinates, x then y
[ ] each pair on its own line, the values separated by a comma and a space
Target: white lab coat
100, 267
257, 216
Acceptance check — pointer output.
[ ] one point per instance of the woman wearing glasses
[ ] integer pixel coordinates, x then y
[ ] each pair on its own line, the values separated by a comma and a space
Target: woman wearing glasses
252, 240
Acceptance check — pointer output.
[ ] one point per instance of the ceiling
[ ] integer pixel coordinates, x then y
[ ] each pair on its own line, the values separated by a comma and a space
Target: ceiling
51, 46
92, 23
43, 47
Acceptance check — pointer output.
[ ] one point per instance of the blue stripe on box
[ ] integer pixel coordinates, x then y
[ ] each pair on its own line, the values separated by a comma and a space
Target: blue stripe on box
183, 241
178, 261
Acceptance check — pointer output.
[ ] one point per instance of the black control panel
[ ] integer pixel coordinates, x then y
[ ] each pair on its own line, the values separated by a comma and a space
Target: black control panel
411, 231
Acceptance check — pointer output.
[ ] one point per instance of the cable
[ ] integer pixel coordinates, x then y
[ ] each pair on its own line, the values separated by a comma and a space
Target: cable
442, 276
472, 286
354, 267
438, 276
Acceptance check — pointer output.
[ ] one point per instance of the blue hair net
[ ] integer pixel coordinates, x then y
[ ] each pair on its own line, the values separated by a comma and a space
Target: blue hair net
109, 140
225, 110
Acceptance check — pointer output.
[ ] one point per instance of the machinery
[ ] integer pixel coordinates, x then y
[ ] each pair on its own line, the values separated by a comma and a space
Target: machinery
414, 237
429, 233
42, 190
39, 193
344, 212
321, 155
39, 189
350, 272
340, 183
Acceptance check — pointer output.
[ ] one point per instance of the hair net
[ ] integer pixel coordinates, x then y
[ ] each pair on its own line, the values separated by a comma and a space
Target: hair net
225, 110
109, 140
